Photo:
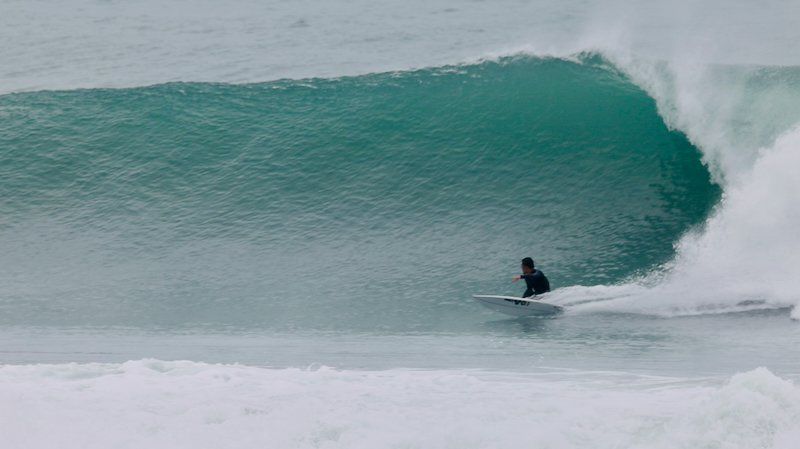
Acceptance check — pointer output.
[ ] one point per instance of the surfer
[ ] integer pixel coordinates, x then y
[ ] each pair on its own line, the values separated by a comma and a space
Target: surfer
535, 279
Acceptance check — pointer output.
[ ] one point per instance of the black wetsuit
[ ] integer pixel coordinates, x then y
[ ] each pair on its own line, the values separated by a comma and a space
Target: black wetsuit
537, 283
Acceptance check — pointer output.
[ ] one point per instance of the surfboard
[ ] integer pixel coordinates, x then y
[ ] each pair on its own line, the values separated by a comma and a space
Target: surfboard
512, 305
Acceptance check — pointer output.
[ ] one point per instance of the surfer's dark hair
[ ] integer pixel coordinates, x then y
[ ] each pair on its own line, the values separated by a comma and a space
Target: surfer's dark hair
528, 262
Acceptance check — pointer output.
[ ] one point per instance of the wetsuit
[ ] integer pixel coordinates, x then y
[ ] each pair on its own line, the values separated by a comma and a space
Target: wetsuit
537, 283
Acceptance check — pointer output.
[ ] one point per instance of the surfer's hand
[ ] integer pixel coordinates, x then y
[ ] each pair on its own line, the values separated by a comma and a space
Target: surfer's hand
516, 278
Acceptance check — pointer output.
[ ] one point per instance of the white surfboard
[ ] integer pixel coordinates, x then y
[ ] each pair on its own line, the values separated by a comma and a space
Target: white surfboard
516, 306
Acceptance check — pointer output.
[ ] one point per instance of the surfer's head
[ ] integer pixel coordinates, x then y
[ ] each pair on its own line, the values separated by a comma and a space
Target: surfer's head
527, 265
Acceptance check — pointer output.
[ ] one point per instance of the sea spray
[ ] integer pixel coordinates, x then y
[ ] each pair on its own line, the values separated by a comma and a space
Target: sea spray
744, 121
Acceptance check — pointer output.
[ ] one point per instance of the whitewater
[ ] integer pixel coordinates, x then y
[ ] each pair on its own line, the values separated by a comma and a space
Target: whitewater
260, 224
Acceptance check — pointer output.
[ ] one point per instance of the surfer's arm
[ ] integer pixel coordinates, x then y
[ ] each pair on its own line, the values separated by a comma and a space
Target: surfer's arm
516, 278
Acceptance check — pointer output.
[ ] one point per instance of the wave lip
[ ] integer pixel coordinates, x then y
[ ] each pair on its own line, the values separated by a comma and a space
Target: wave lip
744, 120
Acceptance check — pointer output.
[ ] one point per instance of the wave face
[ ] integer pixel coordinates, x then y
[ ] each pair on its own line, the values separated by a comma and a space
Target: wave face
291, 203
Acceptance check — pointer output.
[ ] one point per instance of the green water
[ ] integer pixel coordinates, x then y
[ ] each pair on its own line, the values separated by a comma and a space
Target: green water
239, 205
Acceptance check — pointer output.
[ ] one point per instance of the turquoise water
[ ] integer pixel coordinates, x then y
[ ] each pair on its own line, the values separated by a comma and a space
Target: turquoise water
222, 204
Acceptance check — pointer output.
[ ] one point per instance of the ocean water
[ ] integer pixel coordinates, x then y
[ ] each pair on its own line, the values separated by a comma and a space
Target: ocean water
259, 224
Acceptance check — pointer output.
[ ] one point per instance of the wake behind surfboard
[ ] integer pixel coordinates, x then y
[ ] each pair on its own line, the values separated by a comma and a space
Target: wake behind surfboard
515, 306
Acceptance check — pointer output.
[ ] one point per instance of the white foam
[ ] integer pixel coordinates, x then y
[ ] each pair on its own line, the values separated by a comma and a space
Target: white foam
172, 405
746, 256
745, 121
704, 64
